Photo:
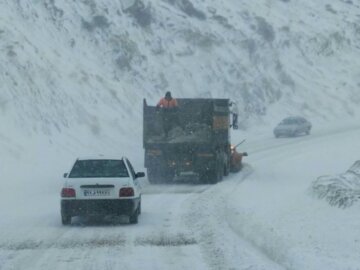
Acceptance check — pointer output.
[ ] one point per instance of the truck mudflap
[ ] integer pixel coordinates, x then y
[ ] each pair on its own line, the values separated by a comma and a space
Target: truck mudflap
178, 164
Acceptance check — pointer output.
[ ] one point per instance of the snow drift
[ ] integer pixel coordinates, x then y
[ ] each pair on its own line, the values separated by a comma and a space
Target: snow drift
341, 190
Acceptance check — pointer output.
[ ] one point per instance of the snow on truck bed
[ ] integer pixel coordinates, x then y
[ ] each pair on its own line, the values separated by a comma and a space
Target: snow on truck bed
191, 133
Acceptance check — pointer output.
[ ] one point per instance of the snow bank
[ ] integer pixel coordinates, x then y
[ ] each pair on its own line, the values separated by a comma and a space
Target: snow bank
341, 190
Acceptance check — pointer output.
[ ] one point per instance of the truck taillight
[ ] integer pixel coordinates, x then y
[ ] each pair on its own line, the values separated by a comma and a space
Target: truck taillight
68, 193
126, 192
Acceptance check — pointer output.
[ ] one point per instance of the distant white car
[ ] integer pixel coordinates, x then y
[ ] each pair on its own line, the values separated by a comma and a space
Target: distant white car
101, 186
292, 126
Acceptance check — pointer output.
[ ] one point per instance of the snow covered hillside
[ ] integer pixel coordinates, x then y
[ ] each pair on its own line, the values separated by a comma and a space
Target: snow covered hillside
83, 67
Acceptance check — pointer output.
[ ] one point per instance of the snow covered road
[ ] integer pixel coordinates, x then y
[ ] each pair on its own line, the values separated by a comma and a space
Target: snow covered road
260, 218
275, 212
159, 241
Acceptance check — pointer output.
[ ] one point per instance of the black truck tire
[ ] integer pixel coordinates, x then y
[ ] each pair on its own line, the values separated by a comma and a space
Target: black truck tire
226, 168
220, 171
152, 177
215, 174
158, 177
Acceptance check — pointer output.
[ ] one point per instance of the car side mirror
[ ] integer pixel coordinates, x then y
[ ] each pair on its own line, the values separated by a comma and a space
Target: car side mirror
65, 175
245, 154
139, 174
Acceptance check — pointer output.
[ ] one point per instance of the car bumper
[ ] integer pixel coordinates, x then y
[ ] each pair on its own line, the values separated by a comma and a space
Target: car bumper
99, 207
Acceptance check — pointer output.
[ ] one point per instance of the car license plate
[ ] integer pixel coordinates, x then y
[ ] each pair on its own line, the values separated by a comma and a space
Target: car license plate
96, 192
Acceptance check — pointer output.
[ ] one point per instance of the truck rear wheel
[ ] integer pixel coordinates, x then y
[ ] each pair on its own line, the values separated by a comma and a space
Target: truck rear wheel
220, 172
152, 176
208, 177
160, 176
226, 169
213, 175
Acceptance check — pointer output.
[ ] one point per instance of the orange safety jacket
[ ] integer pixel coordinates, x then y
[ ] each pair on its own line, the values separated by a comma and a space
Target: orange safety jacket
164, 103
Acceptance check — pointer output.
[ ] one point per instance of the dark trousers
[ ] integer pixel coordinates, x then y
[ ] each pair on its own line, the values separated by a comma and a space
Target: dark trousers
170, 120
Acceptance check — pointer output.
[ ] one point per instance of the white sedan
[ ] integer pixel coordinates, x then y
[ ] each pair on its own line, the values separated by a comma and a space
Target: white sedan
292, 126
101, 186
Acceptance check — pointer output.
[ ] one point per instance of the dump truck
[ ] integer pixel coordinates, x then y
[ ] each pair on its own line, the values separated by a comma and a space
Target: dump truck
197, 146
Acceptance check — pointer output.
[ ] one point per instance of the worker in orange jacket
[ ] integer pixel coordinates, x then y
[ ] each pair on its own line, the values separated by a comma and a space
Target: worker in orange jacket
167, 102
169, 108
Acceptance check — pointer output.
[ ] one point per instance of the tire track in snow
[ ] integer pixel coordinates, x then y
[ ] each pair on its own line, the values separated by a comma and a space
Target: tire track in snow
221, 246
159, 241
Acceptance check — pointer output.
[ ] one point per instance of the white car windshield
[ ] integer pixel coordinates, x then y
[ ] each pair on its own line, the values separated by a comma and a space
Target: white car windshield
290, 121
99, 168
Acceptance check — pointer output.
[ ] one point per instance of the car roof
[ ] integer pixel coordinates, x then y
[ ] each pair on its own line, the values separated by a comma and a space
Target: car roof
294, 117
101, 157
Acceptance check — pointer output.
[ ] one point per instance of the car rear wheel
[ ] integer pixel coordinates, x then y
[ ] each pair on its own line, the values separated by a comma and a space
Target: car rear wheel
134, 218
65, 219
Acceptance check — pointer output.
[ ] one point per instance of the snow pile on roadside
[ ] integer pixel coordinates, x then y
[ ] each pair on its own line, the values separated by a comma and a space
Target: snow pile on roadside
341, 190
